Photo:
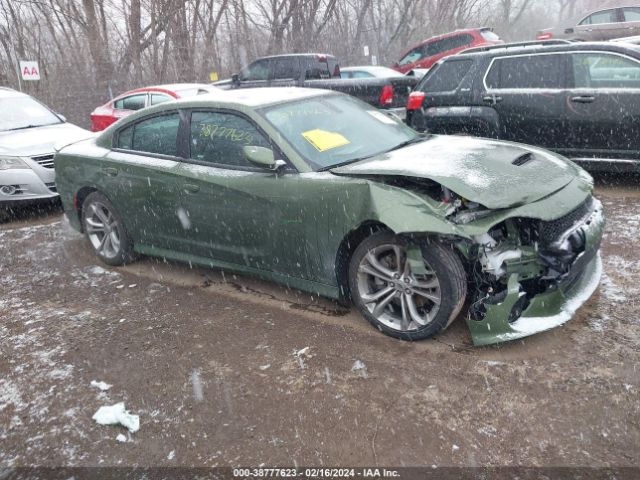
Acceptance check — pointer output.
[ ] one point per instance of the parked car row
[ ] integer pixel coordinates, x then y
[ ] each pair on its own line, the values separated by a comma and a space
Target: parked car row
581, 100
322, 71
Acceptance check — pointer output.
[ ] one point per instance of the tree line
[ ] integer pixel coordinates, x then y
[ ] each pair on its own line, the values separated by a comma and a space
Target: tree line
89, 50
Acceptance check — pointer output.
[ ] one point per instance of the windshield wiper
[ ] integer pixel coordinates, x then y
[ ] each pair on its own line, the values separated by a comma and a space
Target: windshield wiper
406, 143
31, 126
22, 128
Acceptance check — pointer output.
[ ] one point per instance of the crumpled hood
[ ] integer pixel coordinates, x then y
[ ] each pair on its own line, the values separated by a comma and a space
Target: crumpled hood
40, 140
479, 170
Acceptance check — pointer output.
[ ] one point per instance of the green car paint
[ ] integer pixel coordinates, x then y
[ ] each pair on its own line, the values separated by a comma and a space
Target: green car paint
294, 226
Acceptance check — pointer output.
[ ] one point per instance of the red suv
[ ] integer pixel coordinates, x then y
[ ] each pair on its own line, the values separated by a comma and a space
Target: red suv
429, 51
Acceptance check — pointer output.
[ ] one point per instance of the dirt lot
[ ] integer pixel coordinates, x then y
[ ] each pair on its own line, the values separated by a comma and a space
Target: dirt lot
207, 361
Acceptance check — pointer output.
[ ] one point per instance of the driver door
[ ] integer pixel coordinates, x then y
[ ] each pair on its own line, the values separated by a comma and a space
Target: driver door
233, 211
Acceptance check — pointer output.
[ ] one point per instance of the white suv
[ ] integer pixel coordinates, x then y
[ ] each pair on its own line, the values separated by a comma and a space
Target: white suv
28, 133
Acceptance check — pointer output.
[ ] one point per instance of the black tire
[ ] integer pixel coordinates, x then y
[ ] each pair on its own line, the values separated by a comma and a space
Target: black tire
442, 264
97, 209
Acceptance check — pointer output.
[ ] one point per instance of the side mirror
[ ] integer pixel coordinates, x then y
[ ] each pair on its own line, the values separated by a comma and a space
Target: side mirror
61, 117
262, 157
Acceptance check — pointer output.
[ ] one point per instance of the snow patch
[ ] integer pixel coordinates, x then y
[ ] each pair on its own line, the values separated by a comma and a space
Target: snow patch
117, 415
100, 385
360, 368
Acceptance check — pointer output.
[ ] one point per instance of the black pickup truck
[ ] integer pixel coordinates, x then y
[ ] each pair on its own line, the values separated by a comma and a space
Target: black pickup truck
315, 70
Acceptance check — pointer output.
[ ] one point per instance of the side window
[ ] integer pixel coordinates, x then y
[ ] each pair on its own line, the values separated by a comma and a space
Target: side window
219, 138
458, 41
153, 135
530, 71
361, 74
602, 70
606, 16
434, 48
285, 68
157, 98
413, 56
447, 76
132, 102
258, 70
631, 14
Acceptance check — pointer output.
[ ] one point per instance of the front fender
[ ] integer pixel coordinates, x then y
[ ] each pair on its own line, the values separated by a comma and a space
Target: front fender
407, 212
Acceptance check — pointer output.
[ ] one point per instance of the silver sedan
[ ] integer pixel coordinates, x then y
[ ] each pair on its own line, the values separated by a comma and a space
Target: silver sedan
28, 133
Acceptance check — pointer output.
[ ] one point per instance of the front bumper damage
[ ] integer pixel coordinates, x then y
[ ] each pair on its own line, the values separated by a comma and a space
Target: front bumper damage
510, 318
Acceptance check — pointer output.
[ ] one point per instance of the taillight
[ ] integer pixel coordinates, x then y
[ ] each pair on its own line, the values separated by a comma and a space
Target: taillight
415, 100
544, 36
386, 96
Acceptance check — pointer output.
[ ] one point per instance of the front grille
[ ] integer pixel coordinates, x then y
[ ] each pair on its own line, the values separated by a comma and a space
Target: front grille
51, 186
44, 160
551, 231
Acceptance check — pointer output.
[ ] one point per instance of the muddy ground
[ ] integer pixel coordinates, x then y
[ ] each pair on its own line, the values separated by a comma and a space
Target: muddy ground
207, 362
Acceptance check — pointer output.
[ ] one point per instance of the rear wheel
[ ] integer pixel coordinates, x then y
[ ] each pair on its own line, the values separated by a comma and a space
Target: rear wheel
105, 230
410, 303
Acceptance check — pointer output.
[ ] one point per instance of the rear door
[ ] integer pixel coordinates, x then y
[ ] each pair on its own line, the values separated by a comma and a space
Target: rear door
446, 107
602, 25
603, 105
631, 18
528, 93
238, 213
140, 174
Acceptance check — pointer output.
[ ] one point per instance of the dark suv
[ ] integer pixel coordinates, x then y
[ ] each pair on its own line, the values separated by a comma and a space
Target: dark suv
581, 100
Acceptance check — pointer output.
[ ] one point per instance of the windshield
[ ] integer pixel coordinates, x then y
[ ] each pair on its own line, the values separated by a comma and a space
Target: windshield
334, 130
24, 112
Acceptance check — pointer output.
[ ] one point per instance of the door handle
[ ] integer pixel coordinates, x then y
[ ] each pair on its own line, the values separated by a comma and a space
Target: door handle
491, 99
191, 188
112, 172
583, 99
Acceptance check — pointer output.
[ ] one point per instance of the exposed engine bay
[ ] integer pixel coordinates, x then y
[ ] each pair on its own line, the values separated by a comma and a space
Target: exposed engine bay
537, 254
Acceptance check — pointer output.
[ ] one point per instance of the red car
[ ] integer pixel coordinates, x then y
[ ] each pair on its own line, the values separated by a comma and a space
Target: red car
429, 51
129, 102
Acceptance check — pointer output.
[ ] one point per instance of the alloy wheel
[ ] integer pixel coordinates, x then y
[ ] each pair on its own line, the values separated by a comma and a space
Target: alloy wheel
103, 230
393, 294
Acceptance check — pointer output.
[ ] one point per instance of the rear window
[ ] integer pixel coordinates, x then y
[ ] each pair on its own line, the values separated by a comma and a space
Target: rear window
152, 135
133, 102
446, 77
285, 68
529, 71
489, 36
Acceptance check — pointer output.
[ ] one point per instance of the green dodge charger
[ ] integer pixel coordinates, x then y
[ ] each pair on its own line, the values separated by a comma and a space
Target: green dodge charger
321, 192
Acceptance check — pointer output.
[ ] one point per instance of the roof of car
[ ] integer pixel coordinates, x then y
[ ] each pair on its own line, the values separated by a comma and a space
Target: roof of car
6, 92
453, 33
544, 47
309, 54
258, 97
169, 87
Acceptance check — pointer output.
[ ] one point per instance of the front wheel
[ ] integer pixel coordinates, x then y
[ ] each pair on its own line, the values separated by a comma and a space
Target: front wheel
407, 295
105, 230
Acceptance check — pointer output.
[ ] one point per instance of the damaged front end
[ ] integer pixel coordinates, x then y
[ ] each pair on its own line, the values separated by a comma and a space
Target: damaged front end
530, 275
